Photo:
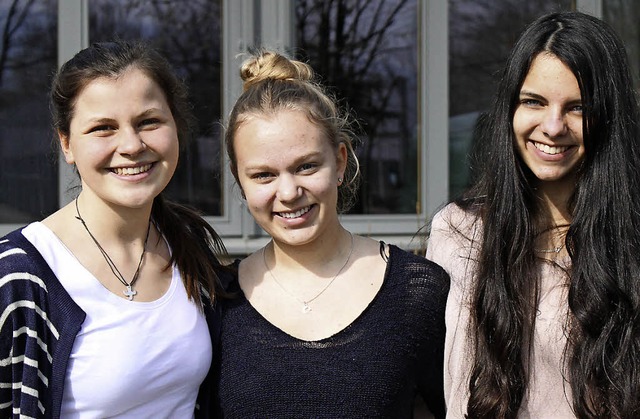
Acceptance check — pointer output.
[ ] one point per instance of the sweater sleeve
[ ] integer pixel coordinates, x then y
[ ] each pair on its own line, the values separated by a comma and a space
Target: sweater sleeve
430, 379
38, 325
452, 244
25, 330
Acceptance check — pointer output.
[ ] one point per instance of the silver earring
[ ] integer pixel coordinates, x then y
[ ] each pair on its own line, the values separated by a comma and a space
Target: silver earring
339, 181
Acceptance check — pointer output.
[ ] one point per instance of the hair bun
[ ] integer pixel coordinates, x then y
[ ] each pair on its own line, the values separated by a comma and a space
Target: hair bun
267, 65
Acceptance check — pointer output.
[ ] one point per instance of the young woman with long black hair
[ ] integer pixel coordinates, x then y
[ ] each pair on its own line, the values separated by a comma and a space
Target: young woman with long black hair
543, 318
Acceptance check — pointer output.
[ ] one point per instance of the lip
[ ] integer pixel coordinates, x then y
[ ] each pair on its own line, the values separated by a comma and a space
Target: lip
548, 152
132, 172
295, 217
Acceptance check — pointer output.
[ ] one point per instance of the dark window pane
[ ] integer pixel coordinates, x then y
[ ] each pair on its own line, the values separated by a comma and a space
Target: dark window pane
29, 175
188, 33
623, 16
367, 52
481, 34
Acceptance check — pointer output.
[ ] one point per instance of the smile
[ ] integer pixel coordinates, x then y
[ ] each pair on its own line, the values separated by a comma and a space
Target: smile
295, 214
550, 150
128, 171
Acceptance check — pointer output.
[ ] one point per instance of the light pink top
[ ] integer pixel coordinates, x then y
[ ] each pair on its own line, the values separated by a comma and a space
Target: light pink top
549, 394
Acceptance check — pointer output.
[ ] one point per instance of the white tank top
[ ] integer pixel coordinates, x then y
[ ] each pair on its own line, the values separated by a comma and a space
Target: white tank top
131, 359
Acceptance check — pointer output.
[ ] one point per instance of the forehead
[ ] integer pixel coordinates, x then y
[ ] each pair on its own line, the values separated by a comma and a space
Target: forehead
281, 135
131, 88
548, 72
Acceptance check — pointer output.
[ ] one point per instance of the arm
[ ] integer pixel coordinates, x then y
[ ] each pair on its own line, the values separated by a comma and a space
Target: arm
452, 244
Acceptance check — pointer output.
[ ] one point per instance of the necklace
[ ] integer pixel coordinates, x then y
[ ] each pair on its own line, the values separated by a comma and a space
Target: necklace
129, 292
554, 250
306, 308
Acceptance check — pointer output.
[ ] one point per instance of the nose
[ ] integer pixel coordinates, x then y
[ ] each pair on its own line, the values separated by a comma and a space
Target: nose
553, 123
288, 188
130, 142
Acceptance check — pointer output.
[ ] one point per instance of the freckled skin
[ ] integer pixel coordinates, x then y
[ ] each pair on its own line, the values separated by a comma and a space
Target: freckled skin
286, 165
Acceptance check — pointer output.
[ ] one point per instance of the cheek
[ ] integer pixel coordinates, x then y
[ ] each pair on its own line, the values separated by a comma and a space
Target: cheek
576, 128
257, 196
521, 124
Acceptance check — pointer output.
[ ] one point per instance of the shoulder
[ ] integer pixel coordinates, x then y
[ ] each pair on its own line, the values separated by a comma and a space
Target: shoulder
408, 261
453, 217
18, 254
418, 270
26, 276
452, 230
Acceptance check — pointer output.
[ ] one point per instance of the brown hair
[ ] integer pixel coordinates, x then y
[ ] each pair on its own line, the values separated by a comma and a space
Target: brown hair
194, 243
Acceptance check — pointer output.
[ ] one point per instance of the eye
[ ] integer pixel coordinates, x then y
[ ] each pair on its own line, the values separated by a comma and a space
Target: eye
576, 109
307, 167
149, 123
262, 176
102, 129
530, 102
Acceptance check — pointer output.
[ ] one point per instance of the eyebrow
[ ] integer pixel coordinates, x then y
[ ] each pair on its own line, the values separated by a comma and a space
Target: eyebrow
542, 98
531, 94
259, 166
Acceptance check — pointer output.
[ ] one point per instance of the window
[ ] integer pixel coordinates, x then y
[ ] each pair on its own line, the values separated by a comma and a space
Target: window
189, 35
623, 15
482, 34
28, 178
367, 53
415, 73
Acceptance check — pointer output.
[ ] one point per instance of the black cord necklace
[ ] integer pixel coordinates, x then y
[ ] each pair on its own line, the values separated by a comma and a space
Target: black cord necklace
129, 292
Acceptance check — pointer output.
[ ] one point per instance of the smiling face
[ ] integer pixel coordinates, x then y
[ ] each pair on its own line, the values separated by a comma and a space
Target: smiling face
548, 120
289, 174
123, 139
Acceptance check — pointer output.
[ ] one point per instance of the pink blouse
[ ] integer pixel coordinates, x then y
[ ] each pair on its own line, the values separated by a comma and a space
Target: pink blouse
453, 244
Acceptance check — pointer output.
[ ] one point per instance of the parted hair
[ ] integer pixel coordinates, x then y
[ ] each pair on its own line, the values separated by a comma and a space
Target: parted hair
602, 356
272, 82
195, 245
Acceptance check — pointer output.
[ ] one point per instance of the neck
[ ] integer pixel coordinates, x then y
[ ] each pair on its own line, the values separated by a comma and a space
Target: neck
112, 222
316, 256
555, 197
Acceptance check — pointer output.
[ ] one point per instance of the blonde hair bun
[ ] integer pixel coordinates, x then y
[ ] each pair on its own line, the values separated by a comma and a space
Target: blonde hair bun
268, 65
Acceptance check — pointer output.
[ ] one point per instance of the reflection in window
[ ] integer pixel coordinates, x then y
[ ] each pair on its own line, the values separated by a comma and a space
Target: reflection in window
481, 34
28, 178
367, 52
189, 35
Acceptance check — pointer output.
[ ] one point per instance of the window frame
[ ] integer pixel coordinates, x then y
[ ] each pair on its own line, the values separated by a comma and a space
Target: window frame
246, 23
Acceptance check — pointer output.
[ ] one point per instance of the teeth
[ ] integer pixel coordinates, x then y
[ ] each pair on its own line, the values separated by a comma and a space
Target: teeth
550, 150
127, 171
295, 214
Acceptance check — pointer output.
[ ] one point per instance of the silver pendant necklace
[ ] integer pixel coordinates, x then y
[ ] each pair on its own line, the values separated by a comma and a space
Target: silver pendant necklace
129, 292
554, 250
306, 308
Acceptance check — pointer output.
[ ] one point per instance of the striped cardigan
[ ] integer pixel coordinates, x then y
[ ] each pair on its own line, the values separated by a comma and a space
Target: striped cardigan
38, 325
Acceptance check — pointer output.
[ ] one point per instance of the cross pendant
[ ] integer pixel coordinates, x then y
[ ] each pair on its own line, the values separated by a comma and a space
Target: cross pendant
129, 292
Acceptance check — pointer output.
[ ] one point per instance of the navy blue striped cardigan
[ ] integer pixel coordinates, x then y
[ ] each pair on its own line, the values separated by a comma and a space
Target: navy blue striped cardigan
38, 325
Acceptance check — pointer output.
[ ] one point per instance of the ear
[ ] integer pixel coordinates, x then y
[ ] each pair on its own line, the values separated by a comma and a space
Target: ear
341, 159
66, 149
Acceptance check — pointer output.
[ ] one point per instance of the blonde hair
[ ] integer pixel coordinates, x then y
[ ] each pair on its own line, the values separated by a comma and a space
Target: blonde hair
273, 82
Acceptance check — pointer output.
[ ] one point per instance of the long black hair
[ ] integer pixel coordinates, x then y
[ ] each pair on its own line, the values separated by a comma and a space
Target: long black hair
195, 245
602, 357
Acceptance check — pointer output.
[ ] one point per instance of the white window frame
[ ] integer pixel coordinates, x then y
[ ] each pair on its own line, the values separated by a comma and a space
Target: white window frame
270, 23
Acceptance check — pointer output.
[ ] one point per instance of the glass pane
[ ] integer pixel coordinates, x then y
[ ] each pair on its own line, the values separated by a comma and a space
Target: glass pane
29, 174
188, 33
624, 15
367, 52
481, 34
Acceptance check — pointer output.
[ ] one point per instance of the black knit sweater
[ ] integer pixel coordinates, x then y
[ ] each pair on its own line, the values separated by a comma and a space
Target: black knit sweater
373, 368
